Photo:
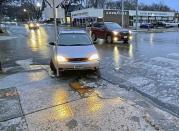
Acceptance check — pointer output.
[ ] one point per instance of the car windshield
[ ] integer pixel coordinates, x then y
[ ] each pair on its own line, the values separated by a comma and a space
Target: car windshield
72, 39
113, 26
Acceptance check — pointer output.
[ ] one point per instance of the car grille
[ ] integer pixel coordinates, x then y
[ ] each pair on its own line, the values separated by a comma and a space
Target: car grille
77, 59
124, 33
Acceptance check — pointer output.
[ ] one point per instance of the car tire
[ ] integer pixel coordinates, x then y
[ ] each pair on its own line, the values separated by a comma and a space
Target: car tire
126, 41
94, 38
52, 67
97, 72
109, 39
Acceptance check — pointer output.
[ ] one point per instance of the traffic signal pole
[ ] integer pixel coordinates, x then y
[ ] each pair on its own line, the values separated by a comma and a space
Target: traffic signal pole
137, 18
122, 2
55, 31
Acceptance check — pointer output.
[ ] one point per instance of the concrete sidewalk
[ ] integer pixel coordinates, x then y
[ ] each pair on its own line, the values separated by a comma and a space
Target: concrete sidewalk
33, 99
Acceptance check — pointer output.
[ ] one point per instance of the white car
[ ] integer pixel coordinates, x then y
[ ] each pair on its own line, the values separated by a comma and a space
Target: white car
75, 51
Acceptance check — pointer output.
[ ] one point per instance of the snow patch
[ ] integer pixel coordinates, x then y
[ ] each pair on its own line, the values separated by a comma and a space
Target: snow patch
7, 38
24, 63
166, 60
140, 81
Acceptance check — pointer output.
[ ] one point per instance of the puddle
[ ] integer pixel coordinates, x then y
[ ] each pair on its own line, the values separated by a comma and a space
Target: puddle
84, 91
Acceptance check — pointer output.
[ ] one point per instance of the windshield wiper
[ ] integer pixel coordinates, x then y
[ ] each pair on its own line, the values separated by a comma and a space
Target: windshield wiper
81, 44
63, 45
75, 45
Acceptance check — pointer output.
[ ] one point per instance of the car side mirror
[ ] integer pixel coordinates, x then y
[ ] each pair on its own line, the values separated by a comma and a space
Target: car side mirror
51, 43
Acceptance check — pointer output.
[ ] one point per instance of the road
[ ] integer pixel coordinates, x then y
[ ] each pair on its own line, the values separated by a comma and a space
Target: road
148, 64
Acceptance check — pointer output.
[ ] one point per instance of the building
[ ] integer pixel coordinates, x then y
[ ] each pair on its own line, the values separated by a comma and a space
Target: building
86, 16
177, 17
83, 17
150, 17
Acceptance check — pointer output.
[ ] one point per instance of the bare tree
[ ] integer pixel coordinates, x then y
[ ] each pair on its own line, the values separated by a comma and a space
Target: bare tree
131, 5
67, 4
96, 3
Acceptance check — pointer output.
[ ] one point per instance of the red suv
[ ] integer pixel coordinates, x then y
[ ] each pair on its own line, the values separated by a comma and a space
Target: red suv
110, 31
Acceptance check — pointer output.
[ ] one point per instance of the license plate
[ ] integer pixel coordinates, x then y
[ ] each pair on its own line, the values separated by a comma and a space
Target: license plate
78, 67
125, 37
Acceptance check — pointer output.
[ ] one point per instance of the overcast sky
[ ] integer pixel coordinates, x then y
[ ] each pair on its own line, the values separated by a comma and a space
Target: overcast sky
171, 3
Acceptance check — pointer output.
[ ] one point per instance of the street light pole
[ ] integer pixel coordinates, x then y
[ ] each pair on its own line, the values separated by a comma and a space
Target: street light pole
55, 31
38, 10
122, 6
137, 10
27, 13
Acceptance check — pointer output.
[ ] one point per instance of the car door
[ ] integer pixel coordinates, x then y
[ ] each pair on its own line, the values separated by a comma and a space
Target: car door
102, 31
94, 30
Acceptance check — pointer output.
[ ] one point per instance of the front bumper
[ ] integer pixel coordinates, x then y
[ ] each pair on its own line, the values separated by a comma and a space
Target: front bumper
122, 37
78, 65
34, 27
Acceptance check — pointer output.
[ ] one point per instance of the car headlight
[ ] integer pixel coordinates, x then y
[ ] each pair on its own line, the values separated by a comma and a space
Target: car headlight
130, 32
115, 32
61, 59
31, 25
94, 57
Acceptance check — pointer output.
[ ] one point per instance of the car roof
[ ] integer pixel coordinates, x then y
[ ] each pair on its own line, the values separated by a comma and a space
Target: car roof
73, 31
109, 22
103, 22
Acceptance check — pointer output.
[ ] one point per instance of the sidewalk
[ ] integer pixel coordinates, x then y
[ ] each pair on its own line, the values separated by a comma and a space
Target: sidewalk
32, 99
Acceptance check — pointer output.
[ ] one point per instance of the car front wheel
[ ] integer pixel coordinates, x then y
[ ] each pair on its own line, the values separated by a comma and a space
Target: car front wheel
94, 38
126, 41
52, 67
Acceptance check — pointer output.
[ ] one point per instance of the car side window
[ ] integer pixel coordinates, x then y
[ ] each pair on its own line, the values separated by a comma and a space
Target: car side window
101, 26
96, 25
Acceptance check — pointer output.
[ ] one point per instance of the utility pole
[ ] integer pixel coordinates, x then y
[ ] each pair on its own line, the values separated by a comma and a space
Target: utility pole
55, 31
122, 6
137, 11
0, 66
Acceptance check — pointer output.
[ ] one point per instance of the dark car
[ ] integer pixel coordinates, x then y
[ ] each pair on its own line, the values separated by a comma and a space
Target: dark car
33, 25
159, 24
146, 26
110, 31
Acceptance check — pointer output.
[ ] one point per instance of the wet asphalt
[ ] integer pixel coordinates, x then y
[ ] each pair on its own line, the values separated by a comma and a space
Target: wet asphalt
148, 64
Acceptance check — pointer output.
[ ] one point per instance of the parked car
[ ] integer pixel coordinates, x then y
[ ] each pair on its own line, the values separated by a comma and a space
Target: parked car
75, 51
159, 24
146, 26
110, 31
33, 25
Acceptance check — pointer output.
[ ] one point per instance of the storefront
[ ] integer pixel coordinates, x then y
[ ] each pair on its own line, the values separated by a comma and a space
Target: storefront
116, 16
150, 17
91, 15
86, 16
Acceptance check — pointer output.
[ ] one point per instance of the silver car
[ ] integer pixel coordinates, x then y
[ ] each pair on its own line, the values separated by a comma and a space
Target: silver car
75, 51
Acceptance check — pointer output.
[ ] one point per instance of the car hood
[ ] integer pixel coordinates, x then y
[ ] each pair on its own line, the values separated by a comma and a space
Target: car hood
121, 30
77, 51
